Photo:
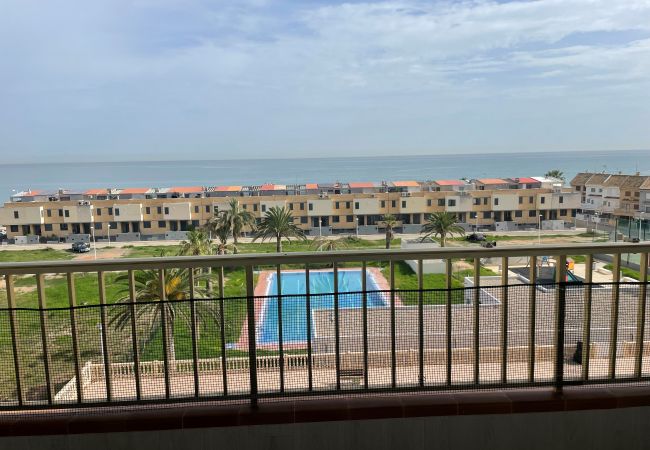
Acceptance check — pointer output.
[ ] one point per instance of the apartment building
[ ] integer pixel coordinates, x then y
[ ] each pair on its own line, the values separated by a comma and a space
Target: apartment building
133, 214
611, 195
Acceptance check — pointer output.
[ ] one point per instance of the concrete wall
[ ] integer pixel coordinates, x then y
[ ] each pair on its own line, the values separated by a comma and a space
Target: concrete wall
177, 211
597, 429
322, 207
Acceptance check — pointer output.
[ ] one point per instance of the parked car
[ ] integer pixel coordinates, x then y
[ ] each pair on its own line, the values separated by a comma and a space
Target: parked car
80, 247
489, 244
475, 237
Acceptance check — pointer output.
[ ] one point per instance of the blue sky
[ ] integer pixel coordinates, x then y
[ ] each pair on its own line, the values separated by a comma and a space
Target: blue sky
176, 79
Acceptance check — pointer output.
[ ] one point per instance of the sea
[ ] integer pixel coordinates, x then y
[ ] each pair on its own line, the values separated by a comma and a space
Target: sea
85, 175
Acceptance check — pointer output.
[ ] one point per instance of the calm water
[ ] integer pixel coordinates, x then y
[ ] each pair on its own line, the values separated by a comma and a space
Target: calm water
81, 176
294, 307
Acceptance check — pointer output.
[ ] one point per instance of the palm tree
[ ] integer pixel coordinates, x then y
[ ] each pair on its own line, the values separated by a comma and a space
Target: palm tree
197, 243
555, 173
223, 247
390, 221
323, 244
441, 224
149, 311
278, 223
236, 218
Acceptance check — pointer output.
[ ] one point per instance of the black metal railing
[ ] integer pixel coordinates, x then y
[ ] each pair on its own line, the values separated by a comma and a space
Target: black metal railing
104, 339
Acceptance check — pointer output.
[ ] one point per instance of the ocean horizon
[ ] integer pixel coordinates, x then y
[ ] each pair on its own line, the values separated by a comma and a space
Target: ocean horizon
79, 176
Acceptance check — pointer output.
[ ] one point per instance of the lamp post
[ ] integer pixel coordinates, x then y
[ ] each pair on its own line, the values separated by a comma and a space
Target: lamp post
640, 222
320, 229
357, 226
539, 229
92, 230
596, 220
109, 233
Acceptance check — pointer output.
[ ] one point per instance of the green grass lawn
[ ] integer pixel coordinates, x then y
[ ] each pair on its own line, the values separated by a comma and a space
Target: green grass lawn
47, 254
627, 272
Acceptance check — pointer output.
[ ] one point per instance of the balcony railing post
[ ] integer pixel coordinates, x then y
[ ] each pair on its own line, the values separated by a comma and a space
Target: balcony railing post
586, 326
560, 273
337, 331
134, 334
613, 341
166, 328
421, 321
252, 335
103, 318
72, 303
364, 290
393, 346
504, 319
11, 304
641, 313
222, 332
532, 319
278, 280
40, 288
448, 284
193, 318
477, 319
310, 375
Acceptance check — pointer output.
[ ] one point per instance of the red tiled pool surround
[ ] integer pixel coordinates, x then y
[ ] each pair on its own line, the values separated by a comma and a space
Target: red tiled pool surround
262, 290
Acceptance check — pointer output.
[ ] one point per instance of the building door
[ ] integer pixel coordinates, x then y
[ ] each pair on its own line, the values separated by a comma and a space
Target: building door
124, 226
135, 226
37, 230
76, 228
497, 216
507, 216
86, 228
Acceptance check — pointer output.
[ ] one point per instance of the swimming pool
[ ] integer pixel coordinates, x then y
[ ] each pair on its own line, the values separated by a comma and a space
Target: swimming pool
294, 303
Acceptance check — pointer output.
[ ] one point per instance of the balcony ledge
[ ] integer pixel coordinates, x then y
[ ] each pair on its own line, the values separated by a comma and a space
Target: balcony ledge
302, 410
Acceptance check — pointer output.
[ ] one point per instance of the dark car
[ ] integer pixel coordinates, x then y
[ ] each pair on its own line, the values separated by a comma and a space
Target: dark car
475, 237
80, 247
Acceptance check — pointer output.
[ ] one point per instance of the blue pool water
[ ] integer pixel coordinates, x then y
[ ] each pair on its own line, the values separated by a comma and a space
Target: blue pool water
294, 305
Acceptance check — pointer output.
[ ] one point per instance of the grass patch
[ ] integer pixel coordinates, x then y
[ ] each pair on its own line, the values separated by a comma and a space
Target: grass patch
46, 254
627, 272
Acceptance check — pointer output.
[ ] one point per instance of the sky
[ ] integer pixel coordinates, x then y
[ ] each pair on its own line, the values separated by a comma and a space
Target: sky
117, 80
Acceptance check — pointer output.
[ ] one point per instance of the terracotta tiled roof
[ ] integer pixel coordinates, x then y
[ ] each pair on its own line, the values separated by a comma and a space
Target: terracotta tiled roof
361, 185
598, 178
96, 192
135, 191
406, 183
525, 180
492, 181
228, 189
311, 186
449, 182
186, 189
581, 178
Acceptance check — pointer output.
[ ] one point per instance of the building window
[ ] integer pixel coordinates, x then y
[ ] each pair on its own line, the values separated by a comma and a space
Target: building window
290, 206
63, 226
518, 213
60, 213
14, 228
49, 213
441, 202
336, 219
98, 226
147, 210
356, 205
166, 210
530, 199
383, 203
403, 203
117, 212
627, 193
146, 224
561, 199
162, 224
472, 215
337, 205
393, 204
487, 214
255, 207
477, 201
451, 202
196, 209
195, 223
110, 211
245, 206
159, 208
311, 206
485, 200
496, 202
48, 227
573, 212
263, 208
16, 215
303, 219
302, 207
563, 212
347, 205
99, 211
207, 209
429, 202
350, 218
521, 200
532, 213
543, 200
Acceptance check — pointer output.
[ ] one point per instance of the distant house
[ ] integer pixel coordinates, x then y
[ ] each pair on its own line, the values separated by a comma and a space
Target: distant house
450, 185
483, 184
